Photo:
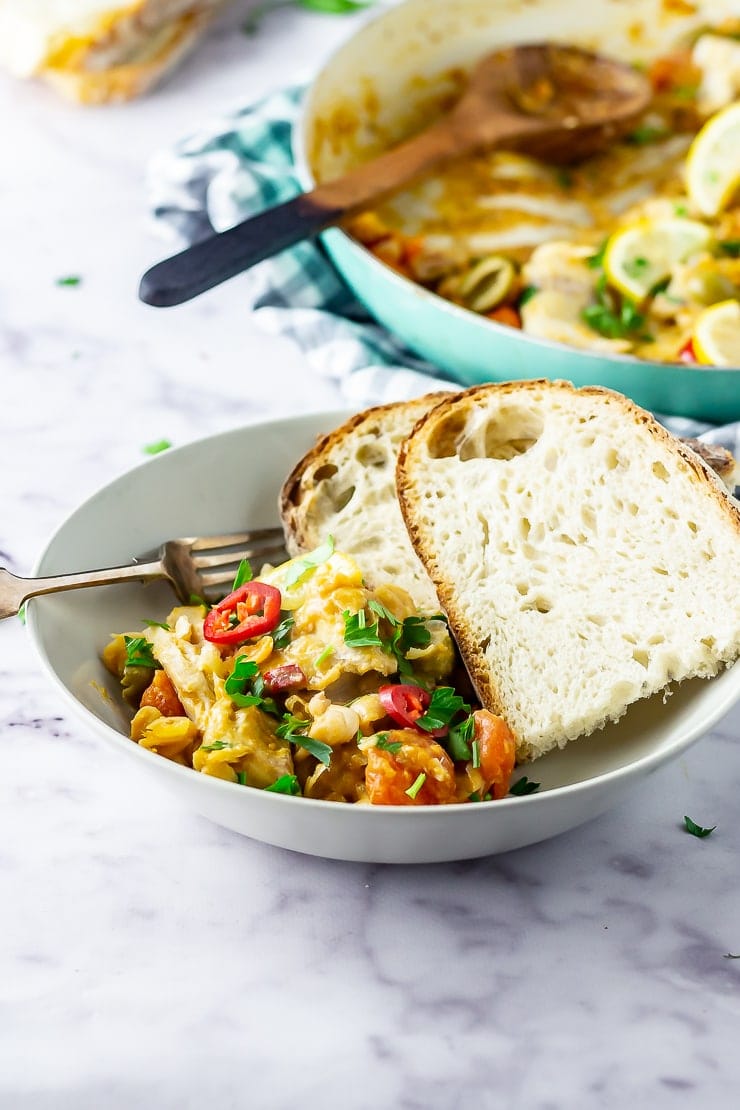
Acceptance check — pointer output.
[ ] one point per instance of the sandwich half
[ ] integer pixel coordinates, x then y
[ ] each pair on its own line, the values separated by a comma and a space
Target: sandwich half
584, 556
97, 51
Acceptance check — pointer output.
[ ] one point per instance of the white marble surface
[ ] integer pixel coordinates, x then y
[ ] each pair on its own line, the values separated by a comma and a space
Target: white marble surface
150, 959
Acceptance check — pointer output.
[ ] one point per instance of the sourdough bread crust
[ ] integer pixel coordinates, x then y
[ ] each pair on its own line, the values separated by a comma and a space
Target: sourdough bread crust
305, 522
413, 456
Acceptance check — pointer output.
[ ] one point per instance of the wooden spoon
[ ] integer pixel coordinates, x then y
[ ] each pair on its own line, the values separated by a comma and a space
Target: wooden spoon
558, 103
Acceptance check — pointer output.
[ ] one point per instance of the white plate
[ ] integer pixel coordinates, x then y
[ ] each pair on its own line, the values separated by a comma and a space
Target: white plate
229, 482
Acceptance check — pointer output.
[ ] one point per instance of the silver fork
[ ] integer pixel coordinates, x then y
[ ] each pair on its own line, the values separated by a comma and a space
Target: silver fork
194, 566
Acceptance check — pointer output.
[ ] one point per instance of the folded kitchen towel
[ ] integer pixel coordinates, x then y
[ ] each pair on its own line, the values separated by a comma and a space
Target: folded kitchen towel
242, 163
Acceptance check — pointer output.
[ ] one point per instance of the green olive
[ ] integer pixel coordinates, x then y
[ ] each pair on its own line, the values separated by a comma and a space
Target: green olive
134, 682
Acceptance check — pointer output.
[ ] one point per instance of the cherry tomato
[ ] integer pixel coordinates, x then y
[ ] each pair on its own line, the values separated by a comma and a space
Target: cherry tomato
497, 748
396, 769
405, 703
506, 314
162, 695
252, 610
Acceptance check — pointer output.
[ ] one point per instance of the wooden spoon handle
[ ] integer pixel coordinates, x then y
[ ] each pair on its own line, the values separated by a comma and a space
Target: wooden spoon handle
222, 256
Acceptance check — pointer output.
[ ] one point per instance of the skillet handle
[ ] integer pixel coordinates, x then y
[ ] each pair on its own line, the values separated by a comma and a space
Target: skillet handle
220, 257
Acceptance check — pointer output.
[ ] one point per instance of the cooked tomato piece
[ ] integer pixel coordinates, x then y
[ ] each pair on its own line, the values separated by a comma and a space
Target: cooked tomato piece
687, 354
252, 610
505, 314
497, 751
410, 769
162, 695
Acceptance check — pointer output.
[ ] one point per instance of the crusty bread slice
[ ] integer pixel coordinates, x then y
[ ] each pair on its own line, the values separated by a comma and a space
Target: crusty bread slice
585, 558
346, 487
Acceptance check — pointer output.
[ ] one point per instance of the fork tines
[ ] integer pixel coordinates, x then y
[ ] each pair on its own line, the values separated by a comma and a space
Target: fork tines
226, 553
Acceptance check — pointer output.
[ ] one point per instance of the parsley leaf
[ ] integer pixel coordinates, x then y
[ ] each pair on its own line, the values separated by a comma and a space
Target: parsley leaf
609, 320
475, 797
596, 261
527, 293
308, 564
416, 785
385, 745
70, 280
157, 624
216, 746
245, 687
156, 448
324, 655
334, 7
459, 739
243, 574
139, 653
445, 705
292, 730
281, 634
645, 134
524, 786
697, 830
286, 784
241, 778
358, 633
730, 247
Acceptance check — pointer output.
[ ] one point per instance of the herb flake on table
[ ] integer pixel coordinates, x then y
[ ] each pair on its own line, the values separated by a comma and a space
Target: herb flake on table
69, 281
157, 447
697, 830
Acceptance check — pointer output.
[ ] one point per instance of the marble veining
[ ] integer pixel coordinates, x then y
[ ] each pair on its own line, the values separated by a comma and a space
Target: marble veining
151, 959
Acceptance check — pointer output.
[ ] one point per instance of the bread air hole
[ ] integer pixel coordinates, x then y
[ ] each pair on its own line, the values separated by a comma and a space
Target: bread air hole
660, 471
323, 473
512, 432
538, 604
372, 454
341, 499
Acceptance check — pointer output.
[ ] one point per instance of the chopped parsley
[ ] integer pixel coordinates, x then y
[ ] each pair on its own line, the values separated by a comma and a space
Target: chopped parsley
475, 753
611, 321
459, 739
281, 634
527, 293
416, 785
196, 599
157, 624
293, 730
697, 830
324, 655
596, 261
444, 705
406, 634
564, 178
730, 247
69, 281
307, 565
243, 574
358, 633
241, 778
385, 745
139, 653
245, 686
286, 784
645, 134
475, 797
216, 746
524, 786
21, 614
156, 448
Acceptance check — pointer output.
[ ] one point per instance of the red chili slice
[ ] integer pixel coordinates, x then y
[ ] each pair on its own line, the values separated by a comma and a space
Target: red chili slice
687, 354
405, 704
252, 610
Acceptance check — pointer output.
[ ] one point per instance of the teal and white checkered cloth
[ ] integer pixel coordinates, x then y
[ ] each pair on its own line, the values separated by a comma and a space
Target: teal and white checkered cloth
240, 164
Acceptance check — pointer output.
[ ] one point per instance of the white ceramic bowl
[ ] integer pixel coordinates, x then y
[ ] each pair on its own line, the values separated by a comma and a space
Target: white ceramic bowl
229, 482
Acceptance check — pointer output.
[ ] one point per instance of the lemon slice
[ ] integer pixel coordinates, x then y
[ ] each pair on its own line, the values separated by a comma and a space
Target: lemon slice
640, 255
716, 338
713, 162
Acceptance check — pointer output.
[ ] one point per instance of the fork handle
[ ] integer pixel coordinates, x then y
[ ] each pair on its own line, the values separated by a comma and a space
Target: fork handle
14, 590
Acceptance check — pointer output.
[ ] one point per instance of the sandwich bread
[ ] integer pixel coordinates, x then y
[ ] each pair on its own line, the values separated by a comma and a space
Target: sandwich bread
584, 556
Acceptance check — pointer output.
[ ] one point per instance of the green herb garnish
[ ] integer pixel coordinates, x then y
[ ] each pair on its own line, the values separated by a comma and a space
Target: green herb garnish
286, 784
245, 686
241, 778
358, 633
157, 624
564, 178
281, 634
216, 746
445, 705
156, 448
475, 753
21, 614
459, 739
475, 797
308, 564
697, 830
527, 293
730, 247
608, 320
243, 574
324, 655
386, 745
139, 653
596, 261
645, 134
416, 785
292, 730
69, 281
524, 786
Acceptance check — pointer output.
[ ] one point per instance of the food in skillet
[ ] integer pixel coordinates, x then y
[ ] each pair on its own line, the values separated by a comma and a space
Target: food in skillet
305, 681
635, 251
